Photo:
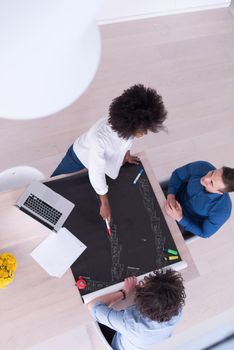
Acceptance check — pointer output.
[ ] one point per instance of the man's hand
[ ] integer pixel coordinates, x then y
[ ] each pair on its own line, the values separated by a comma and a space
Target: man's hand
105, 210
128, 158
111, 298
175, 212
130, 285
171, 200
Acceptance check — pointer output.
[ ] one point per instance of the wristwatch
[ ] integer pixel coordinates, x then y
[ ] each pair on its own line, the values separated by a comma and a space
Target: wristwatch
124, 294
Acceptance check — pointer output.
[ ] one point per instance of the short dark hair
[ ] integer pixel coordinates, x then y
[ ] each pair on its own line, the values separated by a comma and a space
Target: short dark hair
160, 296
228, 179
138, 108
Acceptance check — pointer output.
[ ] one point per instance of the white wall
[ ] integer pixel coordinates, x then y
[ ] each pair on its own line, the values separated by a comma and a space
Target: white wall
232, 7
125, 10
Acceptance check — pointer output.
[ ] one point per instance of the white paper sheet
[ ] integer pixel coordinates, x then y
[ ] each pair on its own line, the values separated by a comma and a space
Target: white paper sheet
58, 252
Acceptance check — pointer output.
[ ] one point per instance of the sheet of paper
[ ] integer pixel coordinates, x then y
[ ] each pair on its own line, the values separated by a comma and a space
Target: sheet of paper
58, 252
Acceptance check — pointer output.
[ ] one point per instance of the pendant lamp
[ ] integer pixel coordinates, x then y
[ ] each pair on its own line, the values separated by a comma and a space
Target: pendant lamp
49, 54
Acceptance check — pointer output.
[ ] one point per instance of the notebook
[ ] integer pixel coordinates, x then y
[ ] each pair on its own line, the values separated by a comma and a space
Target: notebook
45, 205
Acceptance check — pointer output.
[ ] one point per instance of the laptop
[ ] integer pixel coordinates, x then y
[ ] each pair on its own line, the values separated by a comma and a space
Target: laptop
45, 205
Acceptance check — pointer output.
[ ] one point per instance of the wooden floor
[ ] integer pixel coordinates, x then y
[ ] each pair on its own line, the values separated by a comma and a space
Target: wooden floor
189, 59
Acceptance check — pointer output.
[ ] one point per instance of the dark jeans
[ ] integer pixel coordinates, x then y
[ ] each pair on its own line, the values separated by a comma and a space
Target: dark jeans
69, 164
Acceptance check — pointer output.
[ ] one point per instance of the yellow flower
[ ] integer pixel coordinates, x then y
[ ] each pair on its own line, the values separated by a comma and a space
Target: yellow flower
7, 268
11, 267
10, 260
4, 282
8, 256
5, 274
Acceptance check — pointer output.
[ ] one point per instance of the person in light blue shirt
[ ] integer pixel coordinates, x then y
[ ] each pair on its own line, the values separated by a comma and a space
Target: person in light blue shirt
159, 299
198, 197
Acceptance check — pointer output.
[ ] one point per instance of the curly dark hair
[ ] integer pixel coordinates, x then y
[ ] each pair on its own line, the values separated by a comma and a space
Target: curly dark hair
137, 109
228, 179
160, 296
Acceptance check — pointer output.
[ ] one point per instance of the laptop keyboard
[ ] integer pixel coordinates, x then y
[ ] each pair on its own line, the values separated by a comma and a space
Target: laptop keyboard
42, 209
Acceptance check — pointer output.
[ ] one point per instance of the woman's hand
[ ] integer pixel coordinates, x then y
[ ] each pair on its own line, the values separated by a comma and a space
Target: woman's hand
105, 210
128, 158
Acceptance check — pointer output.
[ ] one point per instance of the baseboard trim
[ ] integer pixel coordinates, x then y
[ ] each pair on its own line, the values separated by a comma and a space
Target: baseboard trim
161, 13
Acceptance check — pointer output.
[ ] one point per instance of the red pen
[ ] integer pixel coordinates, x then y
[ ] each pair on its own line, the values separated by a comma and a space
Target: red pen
108, 227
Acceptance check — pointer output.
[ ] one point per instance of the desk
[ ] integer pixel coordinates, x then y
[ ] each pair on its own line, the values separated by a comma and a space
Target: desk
36, 309
139, 230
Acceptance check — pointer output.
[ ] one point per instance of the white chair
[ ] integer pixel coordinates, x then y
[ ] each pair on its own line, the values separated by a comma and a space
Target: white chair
19, 176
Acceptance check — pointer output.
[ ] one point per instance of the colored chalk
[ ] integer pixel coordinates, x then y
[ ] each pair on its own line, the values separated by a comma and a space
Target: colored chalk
108, 227
174, 257
86, 277
81, 283
138, 176
170, 251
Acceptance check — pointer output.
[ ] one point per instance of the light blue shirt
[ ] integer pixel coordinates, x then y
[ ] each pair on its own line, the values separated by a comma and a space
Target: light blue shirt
133, 330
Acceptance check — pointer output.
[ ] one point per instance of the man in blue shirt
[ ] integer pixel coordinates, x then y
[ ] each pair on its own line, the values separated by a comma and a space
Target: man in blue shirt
159, 299
197, 197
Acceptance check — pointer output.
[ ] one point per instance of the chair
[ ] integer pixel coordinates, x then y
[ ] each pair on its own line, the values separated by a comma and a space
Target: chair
19, 176
188, 237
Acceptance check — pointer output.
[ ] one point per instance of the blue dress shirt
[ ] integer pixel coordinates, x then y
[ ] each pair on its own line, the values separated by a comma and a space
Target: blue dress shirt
203, 212
133, 330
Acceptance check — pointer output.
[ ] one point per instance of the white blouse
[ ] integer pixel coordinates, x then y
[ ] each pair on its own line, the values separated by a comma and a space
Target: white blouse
101, 151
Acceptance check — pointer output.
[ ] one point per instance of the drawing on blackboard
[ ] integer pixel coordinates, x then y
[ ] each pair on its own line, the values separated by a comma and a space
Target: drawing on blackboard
133, 271
117, 268
159, 238
139, 232
93, 285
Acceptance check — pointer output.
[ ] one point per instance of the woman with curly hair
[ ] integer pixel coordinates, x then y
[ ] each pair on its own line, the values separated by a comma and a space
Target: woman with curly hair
105, 147
159, 300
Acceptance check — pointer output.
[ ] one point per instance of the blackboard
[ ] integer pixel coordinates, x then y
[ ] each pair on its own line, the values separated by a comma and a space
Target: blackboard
139, 230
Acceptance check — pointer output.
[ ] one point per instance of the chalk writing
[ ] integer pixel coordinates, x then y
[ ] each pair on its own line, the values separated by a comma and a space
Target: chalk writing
155, 221
117, 268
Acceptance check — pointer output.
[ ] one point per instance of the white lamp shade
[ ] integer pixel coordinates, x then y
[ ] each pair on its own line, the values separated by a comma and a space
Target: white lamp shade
50, 50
